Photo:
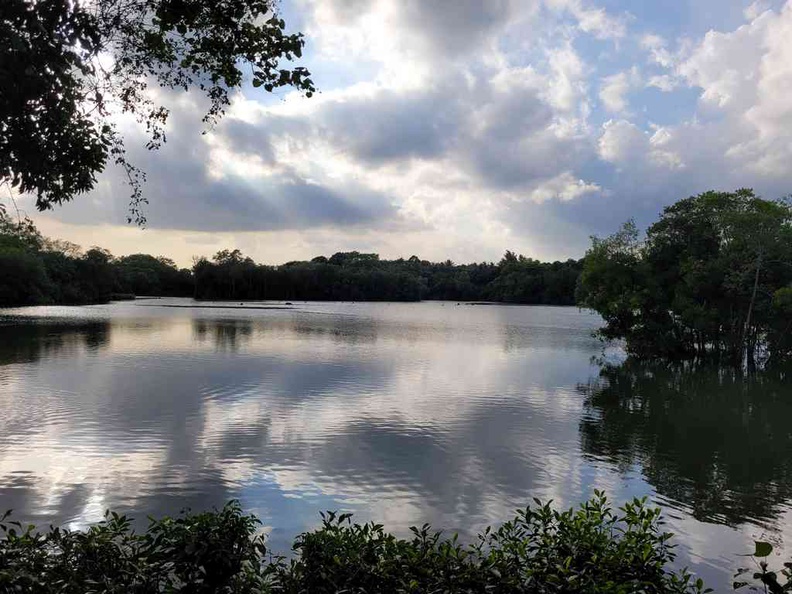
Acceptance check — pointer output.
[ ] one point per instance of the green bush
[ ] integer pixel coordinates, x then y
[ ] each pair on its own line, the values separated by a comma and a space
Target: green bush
591, 549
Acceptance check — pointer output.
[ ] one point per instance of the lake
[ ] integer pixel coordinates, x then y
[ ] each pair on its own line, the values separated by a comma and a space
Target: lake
444, 413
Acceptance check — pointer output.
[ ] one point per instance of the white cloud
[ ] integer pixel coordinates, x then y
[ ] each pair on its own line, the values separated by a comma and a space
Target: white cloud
725, 65
598, 22
658, 52
592, 19
755, 9
614, 89
564, 187
567, 89
621, 141
624, 144
664, 82
745, 75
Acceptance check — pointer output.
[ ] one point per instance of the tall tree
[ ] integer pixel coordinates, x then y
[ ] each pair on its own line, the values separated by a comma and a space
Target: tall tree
711, 278
68, 65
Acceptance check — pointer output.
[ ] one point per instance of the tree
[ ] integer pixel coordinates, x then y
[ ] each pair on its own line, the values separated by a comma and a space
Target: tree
710, 279
69, 65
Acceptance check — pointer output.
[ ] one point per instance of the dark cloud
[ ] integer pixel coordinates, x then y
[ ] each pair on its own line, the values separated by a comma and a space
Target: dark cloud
392, 126
455, 27
184, 195
432, 31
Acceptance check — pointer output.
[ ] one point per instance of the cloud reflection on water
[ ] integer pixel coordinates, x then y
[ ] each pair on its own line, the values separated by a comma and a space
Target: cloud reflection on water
410, 413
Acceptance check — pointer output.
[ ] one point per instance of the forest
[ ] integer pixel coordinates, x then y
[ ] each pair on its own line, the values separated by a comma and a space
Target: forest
38, 270
354, 276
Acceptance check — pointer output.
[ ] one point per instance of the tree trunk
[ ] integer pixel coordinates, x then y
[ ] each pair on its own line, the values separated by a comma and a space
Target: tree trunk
747, 328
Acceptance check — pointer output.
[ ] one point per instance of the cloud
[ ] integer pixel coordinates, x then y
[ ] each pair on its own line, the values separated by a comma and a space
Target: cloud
471, 127
755, 9
564, 187
725, 65
621, 141
194, 183
656, 46
744, 77
664, 82
614, 89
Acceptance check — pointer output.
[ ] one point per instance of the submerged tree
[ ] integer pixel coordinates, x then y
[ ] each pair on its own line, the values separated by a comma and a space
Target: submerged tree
713, 277
67, 66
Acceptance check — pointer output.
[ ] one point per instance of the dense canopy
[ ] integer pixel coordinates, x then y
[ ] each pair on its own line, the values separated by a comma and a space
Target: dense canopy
35, 269
712, 278
355, 276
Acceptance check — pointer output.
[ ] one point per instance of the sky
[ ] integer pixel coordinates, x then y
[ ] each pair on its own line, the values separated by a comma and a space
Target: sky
458, 129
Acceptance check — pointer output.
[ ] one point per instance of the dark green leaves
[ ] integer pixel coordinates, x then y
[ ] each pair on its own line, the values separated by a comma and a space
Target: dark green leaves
590, 549
49, 145
708, 282
763, 549
56, 134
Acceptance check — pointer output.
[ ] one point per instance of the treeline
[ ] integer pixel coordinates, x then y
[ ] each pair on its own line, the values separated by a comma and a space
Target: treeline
354, 276
35, 270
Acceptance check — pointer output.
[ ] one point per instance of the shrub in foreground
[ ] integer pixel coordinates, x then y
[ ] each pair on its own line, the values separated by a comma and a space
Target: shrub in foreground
592, 548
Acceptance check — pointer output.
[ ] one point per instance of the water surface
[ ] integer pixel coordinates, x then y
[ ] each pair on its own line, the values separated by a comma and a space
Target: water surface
450, 414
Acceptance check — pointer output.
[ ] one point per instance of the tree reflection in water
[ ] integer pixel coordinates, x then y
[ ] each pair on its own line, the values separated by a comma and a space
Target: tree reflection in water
27, 343
717, 442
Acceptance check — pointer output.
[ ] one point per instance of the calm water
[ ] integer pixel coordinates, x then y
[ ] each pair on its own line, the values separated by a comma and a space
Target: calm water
403, 413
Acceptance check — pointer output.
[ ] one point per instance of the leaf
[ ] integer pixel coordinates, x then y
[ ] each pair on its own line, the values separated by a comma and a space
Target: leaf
763, 549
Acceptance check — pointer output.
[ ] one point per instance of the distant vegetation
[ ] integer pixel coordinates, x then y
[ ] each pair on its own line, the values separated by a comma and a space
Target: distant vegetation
591, 549
353, 276
37, 270
712, 279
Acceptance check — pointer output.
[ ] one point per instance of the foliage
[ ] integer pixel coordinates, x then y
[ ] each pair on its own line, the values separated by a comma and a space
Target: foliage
70, 65
207, 553
712, 279
141, 274
36, 270
589, 549
353, 276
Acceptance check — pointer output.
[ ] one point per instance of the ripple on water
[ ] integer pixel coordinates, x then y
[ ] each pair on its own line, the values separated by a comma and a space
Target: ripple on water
402, 413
